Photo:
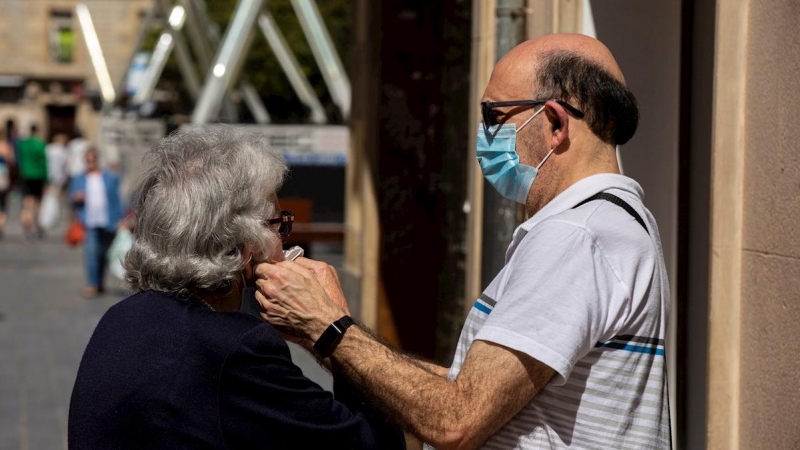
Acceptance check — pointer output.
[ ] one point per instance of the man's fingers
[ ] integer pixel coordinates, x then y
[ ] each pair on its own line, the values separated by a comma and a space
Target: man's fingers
322, 271
312, 265
266, 270
265, 288
297, 268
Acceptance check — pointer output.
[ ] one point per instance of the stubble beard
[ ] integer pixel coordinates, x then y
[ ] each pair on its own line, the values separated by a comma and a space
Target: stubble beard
539, 194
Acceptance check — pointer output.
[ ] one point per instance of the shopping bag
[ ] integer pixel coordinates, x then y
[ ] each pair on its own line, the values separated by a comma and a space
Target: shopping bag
116, 253
75, 233
50, 210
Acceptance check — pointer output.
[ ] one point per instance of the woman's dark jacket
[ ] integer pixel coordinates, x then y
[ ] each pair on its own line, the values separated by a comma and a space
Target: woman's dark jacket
162, 372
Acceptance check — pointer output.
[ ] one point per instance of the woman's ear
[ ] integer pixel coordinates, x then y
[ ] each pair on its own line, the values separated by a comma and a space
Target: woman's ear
559, 123
247, 260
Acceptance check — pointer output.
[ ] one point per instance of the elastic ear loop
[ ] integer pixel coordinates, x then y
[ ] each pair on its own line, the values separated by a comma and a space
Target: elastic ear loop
529, 120
241, 272
545, 158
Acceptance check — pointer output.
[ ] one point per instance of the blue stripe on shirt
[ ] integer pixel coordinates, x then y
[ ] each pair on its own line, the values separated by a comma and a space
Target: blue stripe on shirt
481, 307
634, 348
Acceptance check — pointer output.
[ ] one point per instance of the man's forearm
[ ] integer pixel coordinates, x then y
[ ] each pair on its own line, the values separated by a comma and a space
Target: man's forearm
422, 363
416, 394
494, 383
432, 367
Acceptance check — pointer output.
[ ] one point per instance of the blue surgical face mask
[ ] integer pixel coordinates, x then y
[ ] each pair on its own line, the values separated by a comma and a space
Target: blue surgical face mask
499, 161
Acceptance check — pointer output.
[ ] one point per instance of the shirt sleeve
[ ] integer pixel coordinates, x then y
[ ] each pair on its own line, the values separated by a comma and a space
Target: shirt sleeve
559, 299
265, 401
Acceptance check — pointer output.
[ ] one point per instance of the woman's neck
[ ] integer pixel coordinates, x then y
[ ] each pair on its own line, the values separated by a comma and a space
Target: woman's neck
228, 299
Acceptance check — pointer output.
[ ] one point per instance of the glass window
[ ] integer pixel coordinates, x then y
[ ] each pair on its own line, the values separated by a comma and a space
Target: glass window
62, 37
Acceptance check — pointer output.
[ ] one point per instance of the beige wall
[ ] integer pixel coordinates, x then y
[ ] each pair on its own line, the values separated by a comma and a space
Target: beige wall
755, 315
770, 344
24, 28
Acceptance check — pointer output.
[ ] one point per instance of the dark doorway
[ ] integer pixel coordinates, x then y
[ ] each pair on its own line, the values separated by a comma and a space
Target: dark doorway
61, 119
694, 194
412, 102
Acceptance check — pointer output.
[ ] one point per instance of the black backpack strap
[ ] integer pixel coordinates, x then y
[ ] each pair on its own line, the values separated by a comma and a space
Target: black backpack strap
617, 201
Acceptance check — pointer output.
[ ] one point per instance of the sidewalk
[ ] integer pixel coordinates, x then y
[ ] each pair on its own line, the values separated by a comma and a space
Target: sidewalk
45, 325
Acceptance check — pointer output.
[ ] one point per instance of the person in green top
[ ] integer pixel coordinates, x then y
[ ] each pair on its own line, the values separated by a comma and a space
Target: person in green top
33, 173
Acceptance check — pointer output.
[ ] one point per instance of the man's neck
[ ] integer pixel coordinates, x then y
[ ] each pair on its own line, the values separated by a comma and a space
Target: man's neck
578, 170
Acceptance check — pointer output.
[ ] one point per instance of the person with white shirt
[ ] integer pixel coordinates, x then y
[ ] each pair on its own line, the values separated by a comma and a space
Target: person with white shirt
565, 347
57, 158
95, 196
76, 154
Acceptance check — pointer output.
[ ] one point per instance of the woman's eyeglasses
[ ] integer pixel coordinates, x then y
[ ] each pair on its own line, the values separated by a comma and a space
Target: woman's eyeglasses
285, 220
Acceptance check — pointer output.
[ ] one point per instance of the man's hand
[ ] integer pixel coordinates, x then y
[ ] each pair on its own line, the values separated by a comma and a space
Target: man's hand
293, 300
329, 280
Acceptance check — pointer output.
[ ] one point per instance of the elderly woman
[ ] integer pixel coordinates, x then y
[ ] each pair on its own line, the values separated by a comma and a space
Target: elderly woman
177, 364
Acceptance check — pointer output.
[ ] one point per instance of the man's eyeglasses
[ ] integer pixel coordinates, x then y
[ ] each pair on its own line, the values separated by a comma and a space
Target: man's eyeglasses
490, 115
285, 220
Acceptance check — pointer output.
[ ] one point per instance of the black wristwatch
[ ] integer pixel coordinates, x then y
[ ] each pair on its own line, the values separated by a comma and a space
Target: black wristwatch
331, 337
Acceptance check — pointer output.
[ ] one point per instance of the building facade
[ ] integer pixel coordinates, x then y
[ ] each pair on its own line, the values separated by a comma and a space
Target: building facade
46, 75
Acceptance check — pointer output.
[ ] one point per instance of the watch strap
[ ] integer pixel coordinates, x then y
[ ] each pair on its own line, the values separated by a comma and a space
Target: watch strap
330, 338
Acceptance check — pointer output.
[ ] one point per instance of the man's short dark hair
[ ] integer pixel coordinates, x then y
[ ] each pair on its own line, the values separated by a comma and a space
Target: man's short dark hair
611, 109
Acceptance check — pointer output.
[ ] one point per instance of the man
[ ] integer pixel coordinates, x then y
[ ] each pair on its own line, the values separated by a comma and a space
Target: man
95, 195
33, 173
564, 349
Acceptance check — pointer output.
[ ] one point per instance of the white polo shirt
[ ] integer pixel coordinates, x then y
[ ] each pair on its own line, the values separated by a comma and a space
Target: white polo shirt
584, 291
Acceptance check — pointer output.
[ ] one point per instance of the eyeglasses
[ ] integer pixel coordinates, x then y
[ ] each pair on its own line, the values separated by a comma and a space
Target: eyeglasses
490, 116
285, 220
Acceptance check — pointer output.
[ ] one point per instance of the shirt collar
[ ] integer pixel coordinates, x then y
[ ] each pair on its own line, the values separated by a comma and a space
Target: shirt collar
577, 193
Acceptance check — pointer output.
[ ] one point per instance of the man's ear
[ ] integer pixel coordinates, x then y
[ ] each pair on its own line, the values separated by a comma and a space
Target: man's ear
559, 123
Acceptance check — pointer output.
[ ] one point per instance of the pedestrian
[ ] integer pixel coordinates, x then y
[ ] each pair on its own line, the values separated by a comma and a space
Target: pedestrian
96, 199
12, 137
57, 169
76, 154
33, 174
565, 347
6, 163
178, 364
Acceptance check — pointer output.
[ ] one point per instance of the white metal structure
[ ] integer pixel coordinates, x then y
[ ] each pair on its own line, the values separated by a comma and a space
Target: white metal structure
325, 54
229, 57
221, 71
291, 67
95, 53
